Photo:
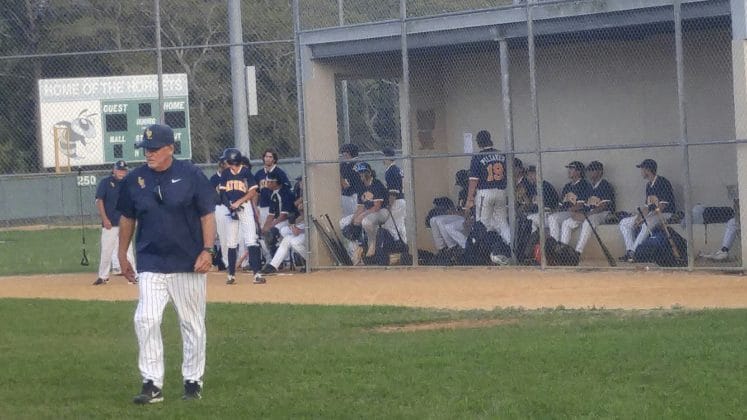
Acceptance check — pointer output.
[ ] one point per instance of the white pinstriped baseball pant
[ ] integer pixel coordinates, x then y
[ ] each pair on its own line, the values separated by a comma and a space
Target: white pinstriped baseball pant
187, 292
109, 250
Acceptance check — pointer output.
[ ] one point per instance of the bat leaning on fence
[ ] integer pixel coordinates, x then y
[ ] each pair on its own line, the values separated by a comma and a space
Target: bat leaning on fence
327, 240
675, 250
611, 261
344, 256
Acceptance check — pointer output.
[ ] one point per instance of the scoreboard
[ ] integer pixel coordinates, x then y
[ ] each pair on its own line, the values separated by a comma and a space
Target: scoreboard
93, 121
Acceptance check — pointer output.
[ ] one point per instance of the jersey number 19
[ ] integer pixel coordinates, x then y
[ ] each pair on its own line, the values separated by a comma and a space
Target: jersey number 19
495, 171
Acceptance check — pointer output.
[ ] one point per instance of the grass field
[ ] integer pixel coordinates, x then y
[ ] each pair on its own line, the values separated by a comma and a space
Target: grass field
47, 251
78, 360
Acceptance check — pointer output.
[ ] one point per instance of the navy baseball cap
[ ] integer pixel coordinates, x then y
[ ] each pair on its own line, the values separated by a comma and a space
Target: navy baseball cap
120, 165
157, 136
362, 167
595, 166
388, 151
576, 165
648, 164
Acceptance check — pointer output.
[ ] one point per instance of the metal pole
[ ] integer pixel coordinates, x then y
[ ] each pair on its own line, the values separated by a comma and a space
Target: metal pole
537, 133
411, 220
301, 129
508, 140
682, 109
344, 83
238, 82
159, 59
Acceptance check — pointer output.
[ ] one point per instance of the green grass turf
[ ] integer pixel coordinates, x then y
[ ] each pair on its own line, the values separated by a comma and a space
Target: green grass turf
47, 251
65, 359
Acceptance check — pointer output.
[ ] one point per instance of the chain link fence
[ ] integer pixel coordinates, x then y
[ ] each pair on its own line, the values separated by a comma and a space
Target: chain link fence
553, 82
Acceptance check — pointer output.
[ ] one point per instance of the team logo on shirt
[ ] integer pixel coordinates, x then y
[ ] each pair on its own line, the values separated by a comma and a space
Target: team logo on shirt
141, 182
111, 183
367, 196
148, 135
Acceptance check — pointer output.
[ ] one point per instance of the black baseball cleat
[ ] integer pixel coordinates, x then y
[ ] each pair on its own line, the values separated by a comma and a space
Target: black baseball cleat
268, 270
258, 279
231, 279
628, 257
150, 394
192, 391
99, 281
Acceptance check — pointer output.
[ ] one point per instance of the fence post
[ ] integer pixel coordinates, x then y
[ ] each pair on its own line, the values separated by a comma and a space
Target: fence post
411, 219
159, 59
508, 140
536, 130
238, 79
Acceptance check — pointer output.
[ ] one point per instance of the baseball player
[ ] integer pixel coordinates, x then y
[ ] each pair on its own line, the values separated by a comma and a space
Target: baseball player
397, 205
600, 203
448, 229
281, 208
574, 196
107, 194
731, 232
349, 180
659, 203
172, 203
221, 217
371, 211
237, 189
270, 166
487, 185
294, 239
550, 198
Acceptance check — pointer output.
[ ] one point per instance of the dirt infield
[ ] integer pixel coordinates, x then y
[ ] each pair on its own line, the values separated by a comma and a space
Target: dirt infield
439, 288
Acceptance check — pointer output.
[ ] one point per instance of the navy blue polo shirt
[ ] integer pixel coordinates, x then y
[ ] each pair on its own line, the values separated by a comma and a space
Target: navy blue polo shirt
661, 190
108, 193
489, 169
281, 201
549, 196
354, 180
393, 177
575, 192
264, 192
169, 234
372, 193
602, 193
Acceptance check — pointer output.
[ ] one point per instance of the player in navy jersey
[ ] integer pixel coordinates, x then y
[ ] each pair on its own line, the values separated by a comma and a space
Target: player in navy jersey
280, 211
172, 203
659, 203
221, 217
270, 166
371, 211
600, 203
448, 229
487, 187
397, 205
350, 181
237, 189
573, 198
550, 197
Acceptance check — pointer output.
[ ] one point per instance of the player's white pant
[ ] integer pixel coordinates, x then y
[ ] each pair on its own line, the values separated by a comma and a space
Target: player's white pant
535, 217
554, 221
246, 226
290, 242
187, 292
491, 211
730, 233
583, 237
263, 213
222, 220
110, 250
349, 204
627, 228
370, 225
442, 238
399, 213
455, 233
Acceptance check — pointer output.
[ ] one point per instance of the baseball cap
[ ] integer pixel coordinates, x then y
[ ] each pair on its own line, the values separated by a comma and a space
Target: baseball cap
362, 167
595, 166
518, 163
461, 177
157, 136
575, 165
531, 168
350, 148
388, 151
272, 176
120, 165
647, 164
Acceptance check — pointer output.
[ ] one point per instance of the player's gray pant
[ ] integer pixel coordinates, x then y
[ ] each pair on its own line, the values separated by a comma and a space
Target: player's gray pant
627, 228
349, 204
491, 211
109, 250
583, 237
187, 291
370, 225
732, 229
289, 243
442, 237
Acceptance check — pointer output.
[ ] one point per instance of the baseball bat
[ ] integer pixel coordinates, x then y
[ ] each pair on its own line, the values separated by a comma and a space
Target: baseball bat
675, 250
84, 259
337, 247
338, 241
611, 261
645, 222
327, 241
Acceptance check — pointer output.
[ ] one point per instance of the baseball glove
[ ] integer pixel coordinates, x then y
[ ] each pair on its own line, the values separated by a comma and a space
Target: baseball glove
352, 232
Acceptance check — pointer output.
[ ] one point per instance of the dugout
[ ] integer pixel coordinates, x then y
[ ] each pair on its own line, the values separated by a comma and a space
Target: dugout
606, 87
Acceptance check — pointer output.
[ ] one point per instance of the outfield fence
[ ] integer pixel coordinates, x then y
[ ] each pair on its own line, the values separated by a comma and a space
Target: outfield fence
552, 81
